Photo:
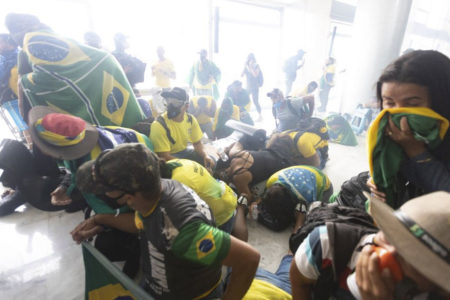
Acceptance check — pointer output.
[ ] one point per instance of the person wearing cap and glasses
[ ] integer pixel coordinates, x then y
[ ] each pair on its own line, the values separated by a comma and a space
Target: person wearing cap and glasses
183, 251
174, 129
74, 141
204, 77
417, 241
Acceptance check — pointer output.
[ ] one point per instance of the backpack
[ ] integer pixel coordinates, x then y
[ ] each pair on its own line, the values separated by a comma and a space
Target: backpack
346, 226
316, 126
351, 193
163, 123
260, 78
303, 113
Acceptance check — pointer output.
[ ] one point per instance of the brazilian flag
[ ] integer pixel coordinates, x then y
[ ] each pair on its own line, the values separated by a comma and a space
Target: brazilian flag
104, 281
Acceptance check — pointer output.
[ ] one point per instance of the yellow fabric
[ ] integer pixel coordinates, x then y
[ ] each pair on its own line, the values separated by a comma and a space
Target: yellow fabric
110, 291
372, 132
234, 116
331, 69
161, 69
262, 290
182, 132
300, 92
13, 78
274, 178
57, 139
218, 195
308, 143
203, 118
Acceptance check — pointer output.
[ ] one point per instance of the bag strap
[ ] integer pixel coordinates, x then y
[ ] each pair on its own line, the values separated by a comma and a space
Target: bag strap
292, 109
163, 123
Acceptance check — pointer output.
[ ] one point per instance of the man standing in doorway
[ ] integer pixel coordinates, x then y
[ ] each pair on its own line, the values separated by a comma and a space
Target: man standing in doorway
291, 66
204, 77
163, 70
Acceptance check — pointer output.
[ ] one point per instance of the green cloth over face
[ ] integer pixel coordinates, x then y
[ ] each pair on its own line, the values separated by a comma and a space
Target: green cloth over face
388, 156
77, 79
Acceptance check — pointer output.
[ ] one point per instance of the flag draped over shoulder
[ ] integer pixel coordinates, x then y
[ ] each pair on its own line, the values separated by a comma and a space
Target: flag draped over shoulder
77, 79
104, 281
386, 156
340, 130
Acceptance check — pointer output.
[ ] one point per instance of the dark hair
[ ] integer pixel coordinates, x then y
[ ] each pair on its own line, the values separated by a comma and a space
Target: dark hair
279, 202
427, 68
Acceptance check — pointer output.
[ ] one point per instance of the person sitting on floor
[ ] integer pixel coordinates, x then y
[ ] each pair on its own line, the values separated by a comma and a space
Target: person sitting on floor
183, 251
413, 92
203, 108
71, 139
292, 190
227, 111
403, 260
174, 129
241, 98
288, 112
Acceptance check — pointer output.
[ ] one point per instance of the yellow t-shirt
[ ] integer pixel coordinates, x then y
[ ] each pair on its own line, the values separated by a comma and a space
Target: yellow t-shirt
234, 116
161, 69
262, 290
308, 143
182, 132
202, 118
217, 194
13, 80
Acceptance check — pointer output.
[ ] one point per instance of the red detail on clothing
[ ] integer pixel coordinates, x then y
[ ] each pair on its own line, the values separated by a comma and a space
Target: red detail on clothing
326, 262
63, 124
343, 278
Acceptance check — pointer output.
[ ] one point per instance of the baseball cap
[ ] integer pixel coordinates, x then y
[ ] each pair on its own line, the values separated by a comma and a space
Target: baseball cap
176, 93
130, 167
275, 93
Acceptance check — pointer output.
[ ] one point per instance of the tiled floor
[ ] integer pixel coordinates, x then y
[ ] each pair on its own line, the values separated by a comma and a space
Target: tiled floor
39, 260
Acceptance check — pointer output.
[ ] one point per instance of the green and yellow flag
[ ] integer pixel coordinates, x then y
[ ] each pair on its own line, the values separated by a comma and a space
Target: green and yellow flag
104, 281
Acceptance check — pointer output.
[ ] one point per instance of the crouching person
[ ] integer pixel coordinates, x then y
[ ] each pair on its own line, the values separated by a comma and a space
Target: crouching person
182, 251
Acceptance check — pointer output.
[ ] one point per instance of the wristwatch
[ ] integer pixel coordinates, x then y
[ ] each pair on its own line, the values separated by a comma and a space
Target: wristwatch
301, 208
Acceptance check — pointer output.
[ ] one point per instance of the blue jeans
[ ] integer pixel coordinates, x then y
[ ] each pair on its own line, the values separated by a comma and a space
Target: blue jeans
280, 278
228, 225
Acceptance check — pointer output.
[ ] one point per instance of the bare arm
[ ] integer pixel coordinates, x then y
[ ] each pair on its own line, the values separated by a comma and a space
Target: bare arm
94, 225
166, 156
301, 286
208, 162
244, 260
241, 181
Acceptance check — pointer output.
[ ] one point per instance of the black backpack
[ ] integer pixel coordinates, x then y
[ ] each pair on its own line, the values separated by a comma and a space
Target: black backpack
163, 123
351, 193
346, 226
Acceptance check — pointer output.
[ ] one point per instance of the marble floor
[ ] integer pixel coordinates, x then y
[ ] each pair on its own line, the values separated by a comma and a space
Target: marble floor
39, 260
